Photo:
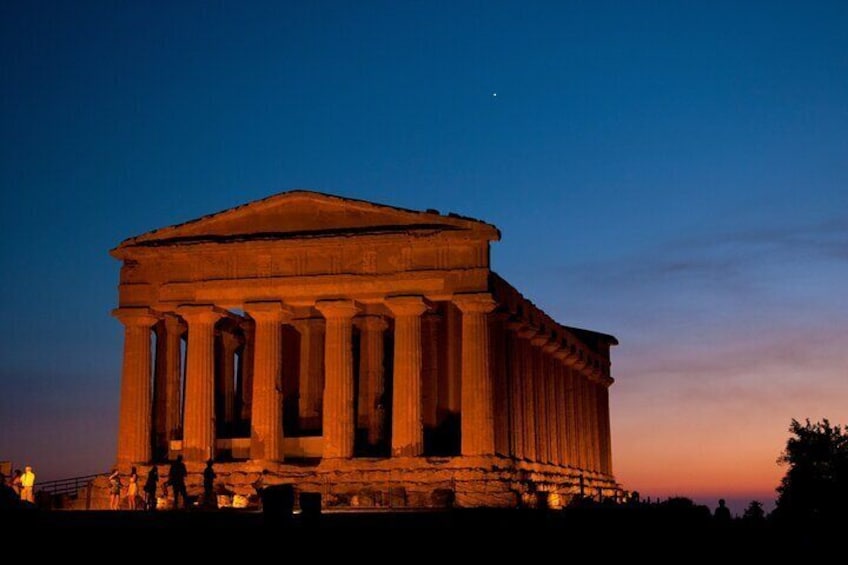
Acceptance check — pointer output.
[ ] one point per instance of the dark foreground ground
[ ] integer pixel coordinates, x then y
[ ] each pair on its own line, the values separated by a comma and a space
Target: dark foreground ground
623, 527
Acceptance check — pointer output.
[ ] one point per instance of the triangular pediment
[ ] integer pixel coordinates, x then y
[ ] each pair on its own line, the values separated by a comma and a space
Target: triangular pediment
301, 213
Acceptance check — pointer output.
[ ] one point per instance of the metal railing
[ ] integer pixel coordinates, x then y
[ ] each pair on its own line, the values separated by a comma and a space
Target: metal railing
66, 487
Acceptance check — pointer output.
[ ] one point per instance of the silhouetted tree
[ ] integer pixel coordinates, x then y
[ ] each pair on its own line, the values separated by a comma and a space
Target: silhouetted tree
815, 486
754, 512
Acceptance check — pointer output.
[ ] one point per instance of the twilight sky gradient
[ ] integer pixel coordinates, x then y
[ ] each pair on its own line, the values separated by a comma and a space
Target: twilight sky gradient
673, 173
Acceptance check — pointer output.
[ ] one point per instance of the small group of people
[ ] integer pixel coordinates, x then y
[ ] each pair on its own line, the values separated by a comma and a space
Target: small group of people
176, 482
23, 484
115, 487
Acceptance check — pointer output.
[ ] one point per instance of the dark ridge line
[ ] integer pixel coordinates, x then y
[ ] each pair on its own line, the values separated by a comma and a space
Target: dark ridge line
306, 234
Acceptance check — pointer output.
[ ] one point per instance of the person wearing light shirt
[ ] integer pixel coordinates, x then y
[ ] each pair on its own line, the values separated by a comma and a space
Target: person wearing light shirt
27, 484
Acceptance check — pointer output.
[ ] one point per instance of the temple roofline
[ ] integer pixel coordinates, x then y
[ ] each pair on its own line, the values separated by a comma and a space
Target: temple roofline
276, 236
440, 222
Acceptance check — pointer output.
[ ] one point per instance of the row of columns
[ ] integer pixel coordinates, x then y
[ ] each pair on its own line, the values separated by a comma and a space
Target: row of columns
556, 414
337, 400
547, 409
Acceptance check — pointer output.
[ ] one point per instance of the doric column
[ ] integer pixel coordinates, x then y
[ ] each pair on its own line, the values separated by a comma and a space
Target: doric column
562, 421
525, 350
516, 393
199, 421
562, 387
226, 393
478, 430
582, 419
311, 372
372, 385
166, 389
160, 407
588, 422
246, 369
603, 435
549, 365
578, 420
266, 426
540, 391
594, 420
338, 409
407, 425
430, 327
134, 427
603, 401
498, 371
449, 390
175, 328
573, 415
591, 403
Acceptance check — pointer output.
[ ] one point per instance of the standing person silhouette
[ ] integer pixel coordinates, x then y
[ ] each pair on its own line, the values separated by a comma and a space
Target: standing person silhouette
209, 485
16, 482
150, 488
27, 485
176, 478
115, 490
722, 513
132, 489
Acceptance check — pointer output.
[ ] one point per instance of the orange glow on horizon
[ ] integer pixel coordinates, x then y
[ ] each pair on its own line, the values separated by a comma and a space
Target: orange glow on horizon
707, 445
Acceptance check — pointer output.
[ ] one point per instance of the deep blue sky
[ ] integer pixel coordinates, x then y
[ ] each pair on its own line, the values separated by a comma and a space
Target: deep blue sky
673, 173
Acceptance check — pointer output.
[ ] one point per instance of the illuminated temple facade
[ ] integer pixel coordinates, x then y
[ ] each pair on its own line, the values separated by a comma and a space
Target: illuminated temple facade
362, 351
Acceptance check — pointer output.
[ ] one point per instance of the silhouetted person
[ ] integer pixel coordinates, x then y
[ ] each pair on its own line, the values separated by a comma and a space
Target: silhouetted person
132, 489
115, 490
176, 478
28, 485
16, 483
209, 485
8, 498
150, 488
722, 513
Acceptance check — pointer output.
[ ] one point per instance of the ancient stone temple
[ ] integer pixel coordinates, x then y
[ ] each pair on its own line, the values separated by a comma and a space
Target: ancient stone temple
362, 351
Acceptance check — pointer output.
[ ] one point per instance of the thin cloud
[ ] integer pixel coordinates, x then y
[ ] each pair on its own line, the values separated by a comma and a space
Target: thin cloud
727, 257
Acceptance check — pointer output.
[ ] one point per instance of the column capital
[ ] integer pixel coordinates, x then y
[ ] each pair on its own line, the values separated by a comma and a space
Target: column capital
522, 329
247, 325
561, 353
580, 362
230, 340
406, 305
173, 324
572, 353
540, 339
500, 316
142, 316
594, 370
302, 324
552, 346
267, 311
477, 302
371, 323
337, 308
200, 313
432, 317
